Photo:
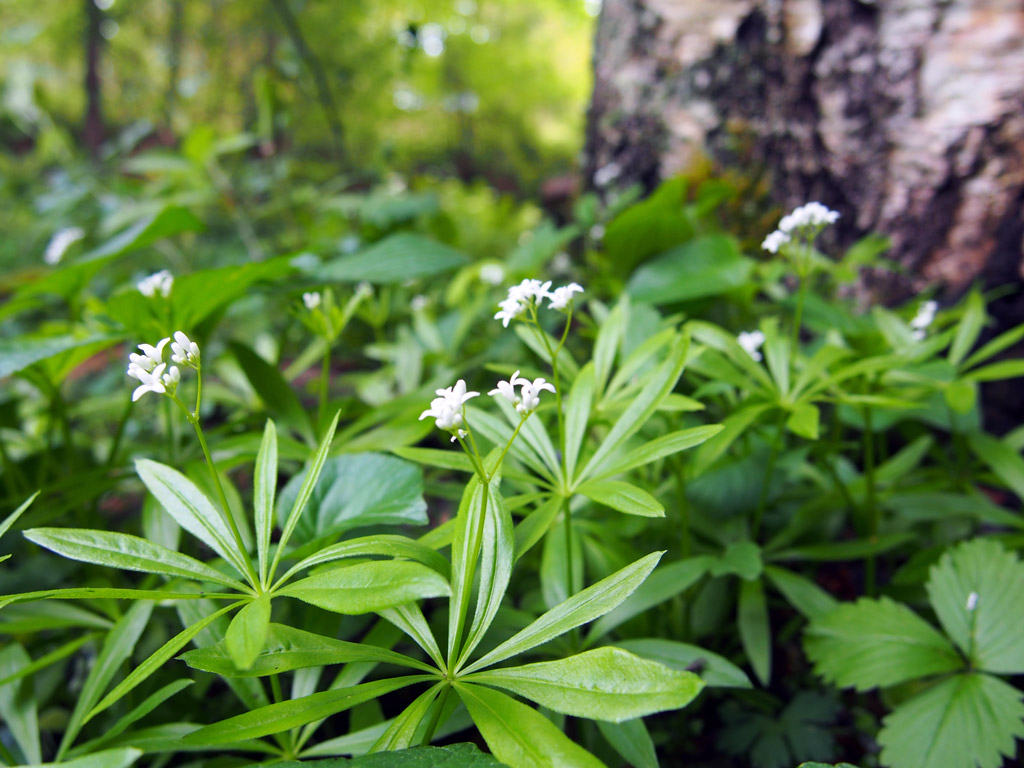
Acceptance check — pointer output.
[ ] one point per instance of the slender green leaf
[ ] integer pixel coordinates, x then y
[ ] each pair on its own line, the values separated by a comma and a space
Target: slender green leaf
395, 259
286, 715
804, 595
536, 524
754, 629
275, 392
632, 741
368, 587
469, 523
18, 703
402, 731
120, 757
622, 496
12, 518
247, 632
120, 550
1001, 459
409, 618
735, 424
138, 712
1003, 369
603, 684
713, 669
520, 736
47, 659
666, 445
577, 414
994, 347
381, 544
609, 336
967, 330
98, 593
585, 606
191, 509
264, 487
435, 457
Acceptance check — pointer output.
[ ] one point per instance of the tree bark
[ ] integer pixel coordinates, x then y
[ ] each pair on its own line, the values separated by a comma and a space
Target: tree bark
904, 115
92, 127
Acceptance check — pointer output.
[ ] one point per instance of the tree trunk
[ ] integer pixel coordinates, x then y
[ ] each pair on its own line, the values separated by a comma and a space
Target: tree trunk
92, 127
904, 115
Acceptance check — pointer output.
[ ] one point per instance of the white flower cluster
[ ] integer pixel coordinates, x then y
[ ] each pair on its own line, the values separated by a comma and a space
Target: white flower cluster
60, 242
925, 317
807, 219
312, 300
528, 399
150, 369
531, 293
751, 341
446, 408
159, 282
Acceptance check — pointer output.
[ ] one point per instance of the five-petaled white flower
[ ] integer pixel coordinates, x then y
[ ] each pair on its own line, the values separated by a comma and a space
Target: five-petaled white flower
311, 299
507, 389
446, 408
530, 393
159, 282
751, 341
60, 242
183, 350
151, 356
561, 297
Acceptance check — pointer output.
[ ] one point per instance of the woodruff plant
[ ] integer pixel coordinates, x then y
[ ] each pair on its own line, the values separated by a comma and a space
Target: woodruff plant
608, 684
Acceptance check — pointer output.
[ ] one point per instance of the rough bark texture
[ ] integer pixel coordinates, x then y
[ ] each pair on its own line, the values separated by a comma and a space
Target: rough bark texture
905, 115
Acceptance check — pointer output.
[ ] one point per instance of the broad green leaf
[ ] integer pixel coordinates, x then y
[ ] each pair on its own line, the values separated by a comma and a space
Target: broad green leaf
755, 631
120, 550
117, 649
622, 496
707, 266
645, 404
156, 661
585, 606
356, 491
664, 583
666, 445
497, 556
804, 595
264, 487
977, 591
276, 394
519, 736
310, 475
286, 715
402, 731
191, 509
603, 684
12, 518
368, 587
874, 643
967, 720
632, 741
18, 703
287, 649
1001, 459
803, 420
247, 632
395, 259
577, 414
967, 330
713, 669
381, 544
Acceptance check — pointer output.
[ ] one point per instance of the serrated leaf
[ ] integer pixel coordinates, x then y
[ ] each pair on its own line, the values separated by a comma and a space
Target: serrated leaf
593, 602
520, 736
603, 684
874, 643
967, 720
977, 591
120, 550
368, 587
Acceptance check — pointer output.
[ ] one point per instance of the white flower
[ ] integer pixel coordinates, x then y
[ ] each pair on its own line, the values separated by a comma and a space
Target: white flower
560, 297
810, 215
151, 381
60, 242
151, 356
446, 408
521, 297
311, 299
972, 601
159, 282
507, 389
774, 241
172, 378
925, 315
493, 274
419, 303
531, 394
510, 310
183, 350
751, 341
561, 263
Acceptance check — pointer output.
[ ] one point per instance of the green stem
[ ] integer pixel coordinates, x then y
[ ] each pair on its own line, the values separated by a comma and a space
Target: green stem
325, 376
169, 431
119, 435
435, 718
275, 689
755, 528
